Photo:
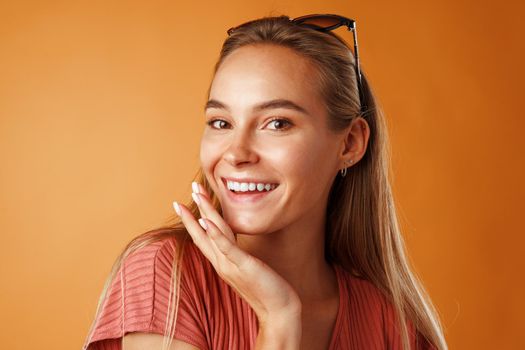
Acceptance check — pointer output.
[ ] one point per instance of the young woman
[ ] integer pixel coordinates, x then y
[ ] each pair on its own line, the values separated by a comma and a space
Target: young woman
298, 244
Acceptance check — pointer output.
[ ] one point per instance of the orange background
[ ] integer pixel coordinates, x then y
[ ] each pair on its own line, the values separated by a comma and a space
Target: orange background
100, 119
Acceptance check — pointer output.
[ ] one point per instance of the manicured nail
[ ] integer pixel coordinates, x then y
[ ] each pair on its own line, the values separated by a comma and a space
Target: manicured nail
195, 187
196, 198
177, 208
203, 224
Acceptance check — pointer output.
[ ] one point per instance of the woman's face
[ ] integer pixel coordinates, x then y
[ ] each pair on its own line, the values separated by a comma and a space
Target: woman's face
297, 158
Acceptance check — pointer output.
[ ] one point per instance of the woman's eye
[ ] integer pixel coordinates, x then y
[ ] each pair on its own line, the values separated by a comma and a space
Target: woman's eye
217, 123
280, 124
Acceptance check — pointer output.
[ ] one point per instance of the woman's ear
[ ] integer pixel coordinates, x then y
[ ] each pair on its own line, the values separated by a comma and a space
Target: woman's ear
355, 142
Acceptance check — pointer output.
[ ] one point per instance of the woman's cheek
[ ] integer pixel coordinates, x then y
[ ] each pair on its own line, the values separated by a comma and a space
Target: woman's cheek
302, 160
207, 153
208, 158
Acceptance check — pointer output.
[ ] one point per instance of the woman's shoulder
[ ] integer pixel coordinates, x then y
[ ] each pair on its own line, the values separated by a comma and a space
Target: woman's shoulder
140, 292
375, 312
364, 298
155, 267
157, 259
363, 295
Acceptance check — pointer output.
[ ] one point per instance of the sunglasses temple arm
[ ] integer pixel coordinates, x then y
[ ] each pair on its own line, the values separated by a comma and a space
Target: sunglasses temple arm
356, 53
358, 66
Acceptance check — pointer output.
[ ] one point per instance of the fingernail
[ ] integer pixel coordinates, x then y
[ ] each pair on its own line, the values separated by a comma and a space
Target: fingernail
177, 208
195, 187
196, 198
203, 224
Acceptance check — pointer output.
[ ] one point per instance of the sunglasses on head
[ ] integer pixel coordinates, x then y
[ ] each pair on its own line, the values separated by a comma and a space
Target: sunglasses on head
326, 23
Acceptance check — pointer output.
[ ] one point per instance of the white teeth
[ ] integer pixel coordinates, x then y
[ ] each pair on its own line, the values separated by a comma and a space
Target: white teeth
249, 186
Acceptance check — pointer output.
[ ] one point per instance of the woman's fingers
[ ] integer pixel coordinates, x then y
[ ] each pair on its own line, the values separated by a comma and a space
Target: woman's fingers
198, 235
226, 248
219, 250
195, 188
208, 211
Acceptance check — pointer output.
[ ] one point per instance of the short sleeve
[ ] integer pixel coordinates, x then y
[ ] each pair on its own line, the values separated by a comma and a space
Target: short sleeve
137, 301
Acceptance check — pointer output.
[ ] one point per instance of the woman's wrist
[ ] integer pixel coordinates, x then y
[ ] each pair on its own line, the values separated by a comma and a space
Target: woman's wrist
280, 331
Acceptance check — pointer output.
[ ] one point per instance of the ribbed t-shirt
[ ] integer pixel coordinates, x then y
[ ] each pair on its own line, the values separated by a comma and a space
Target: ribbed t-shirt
212, 315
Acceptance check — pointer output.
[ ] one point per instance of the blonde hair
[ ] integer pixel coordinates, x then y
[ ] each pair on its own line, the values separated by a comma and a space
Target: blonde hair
362, 231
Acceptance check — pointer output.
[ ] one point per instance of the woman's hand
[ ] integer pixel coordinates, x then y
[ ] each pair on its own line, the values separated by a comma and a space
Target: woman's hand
276, 304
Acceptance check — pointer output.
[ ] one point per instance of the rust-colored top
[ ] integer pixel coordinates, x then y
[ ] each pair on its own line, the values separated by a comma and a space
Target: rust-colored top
212, 316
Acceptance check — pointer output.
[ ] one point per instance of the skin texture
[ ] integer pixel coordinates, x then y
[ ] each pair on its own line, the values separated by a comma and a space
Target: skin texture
272, 251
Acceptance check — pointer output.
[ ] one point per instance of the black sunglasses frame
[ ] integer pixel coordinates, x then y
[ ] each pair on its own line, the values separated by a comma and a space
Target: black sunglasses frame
309, 21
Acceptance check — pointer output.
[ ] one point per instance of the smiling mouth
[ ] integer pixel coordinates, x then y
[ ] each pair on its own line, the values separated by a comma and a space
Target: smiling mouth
244, 188
250, 192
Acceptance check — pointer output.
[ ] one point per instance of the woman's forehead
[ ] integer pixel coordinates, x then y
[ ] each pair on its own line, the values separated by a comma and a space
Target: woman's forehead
265, 72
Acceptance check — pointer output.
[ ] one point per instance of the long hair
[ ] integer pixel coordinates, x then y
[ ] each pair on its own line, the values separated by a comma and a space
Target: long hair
362, 230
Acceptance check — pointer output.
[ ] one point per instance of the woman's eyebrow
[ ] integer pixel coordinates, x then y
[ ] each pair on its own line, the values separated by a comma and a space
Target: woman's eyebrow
272, 104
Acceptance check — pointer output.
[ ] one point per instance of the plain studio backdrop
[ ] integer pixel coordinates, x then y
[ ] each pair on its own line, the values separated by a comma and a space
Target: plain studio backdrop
101, 112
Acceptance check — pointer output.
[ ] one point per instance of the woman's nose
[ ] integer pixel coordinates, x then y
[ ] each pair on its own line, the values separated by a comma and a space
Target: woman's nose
240, 150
